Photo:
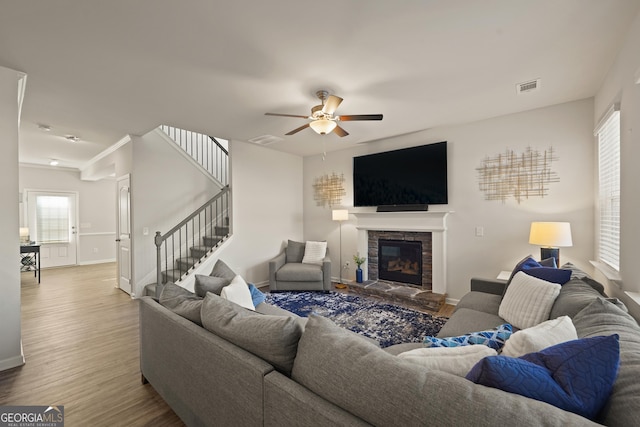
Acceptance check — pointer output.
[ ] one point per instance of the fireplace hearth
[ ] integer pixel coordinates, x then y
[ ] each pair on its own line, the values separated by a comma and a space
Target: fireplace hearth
400, 261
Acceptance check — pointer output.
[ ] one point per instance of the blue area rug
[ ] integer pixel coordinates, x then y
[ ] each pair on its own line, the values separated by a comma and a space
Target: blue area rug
388, 324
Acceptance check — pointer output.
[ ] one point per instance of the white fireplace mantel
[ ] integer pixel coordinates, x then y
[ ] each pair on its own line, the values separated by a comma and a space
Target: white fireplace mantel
430, 221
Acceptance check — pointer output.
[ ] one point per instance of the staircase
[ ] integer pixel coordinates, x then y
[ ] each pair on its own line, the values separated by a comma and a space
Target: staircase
197, 236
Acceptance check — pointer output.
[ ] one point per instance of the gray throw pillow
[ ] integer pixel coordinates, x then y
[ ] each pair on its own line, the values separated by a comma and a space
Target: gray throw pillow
222, 270
206, 284
295, 251
603, 318
182, 302
272, 338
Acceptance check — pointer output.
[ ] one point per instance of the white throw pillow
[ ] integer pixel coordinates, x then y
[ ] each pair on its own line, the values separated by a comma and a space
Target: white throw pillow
455, 360
528, 301
539, 337
314, 252
238, 291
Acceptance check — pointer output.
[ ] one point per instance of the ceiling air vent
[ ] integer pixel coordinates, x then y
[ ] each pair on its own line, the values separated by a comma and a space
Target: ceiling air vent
265, 139
530, 86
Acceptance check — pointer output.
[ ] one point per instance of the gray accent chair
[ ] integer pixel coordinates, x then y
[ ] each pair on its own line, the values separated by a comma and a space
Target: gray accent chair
287, 272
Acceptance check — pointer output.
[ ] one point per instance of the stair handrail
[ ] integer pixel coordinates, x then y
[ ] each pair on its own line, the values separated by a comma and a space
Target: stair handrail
160, 238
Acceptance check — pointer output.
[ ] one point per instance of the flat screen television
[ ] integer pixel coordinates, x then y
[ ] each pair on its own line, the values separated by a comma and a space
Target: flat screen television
410, 176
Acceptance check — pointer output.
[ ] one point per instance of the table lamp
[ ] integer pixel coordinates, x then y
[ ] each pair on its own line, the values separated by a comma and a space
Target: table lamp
24, 235
550, 236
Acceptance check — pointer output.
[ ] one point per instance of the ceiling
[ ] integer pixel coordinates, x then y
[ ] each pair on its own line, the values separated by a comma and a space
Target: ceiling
102, 70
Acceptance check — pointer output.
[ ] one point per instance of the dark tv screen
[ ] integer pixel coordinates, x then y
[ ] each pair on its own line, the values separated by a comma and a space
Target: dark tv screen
416, 175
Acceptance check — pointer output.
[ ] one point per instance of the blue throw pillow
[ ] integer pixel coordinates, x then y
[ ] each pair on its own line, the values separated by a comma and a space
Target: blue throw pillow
553, 275
575, 376
256, 295
494, 338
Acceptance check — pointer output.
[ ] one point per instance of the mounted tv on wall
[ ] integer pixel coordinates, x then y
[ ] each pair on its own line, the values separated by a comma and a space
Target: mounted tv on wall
410, 176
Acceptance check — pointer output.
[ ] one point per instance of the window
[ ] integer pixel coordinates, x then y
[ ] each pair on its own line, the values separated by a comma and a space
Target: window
52, 219
608, 133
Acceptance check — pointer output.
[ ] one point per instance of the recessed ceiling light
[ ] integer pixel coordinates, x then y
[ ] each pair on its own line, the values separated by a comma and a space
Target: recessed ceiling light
53, 162
44, 128
72, 138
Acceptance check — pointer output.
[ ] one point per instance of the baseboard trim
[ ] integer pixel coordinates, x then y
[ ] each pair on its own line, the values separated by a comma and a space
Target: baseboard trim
452, 301
97, 261
12, 362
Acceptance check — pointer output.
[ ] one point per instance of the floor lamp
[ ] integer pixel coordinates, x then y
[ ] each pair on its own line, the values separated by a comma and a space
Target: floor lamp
340, 215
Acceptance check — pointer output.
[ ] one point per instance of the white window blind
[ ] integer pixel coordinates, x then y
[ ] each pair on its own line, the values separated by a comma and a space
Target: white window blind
52, 219
609, 189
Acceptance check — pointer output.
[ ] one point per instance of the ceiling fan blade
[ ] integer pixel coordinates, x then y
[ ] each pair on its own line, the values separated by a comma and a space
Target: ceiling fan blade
286, 115
340, 131
355, 117
331, 104
296, 130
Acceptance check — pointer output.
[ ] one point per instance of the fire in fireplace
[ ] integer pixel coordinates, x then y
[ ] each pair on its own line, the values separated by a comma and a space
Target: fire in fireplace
400, 261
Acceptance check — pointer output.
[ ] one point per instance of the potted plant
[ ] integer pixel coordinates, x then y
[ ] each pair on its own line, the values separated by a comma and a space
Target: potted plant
359, 261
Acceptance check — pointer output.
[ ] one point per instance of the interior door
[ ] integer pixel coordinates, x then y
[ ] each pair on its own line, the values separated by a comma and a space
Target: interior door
123, 231
52, 224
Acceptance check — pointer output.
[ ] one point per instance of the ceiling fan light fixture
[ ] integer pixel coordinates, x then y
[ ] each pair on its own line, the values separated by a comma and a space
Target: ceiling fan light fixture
323, 126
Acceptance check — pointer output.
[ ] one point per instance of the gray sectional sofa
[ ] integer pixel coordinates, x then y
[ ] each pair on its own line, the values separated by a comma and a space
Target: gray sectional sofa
337, 378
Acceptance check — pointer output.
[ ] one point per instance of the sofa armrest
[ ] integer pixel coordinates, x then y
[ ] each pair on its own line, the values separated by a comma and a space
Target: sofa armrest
488, 286
326, 272
276, 264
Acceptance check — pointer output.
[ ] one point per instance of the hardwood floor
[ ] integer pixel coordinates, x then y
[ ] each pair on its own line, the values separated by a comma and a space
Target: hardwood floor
81, 344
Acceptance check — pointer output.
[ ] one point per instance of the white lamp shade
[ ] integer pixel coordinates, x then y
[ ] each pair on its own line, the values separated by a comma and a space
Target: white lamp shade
550, 234
24, 232
340, 215
323, 126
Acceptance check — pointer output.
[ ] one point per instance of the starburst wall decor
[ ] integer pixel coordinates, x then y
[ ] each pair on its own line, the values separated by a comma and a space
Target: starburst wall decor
329, 189
517, 175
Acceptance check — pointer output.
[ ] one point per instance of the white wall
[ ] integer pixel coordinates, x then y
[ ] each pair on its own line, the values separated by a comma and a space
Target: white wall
619, 86
96, 208
10, 106
566, 127
267, 210
165, 188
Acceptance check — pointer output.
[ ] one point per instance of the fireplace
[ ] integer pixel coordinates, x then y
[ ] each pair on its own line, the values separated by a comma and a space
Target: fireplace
400, 261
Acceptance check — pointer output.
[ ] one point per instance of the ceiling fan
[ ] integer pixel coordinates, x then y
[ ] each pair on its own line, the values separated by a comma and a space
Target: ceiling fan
322, 116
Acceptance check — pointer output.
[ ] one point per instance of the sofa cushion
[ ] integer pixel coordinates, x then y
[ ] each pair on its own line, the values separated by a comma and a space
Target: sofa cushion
576, 376
298, 272
204, 284
273, 338
221, 269
576, 273
603, 318
528, 301
573, 297
314, 252
182, 302
466, 319
238, 291
455, 360
384, 390
294, 251
539, 337
595, 285
481, 301
494, 338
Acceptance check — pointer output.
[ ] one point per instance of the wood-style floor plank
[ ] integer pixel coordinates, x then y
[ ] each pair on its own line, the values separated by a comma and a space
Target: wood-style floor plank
81, 344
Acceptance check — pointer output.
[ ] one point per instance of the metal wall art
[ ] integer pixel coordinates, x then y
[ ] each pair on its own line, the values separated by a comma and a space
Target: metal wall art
329, 189
517, 175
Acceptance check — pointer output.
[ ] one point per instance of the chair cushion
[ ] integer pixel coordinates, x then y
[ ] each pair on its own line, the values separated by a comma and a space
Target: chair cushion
294, 251
298, 272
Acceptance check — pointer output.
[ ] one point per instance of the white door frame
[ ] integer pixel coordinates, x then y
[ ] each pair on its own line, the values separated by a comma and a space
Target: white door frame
76, 214
124, 243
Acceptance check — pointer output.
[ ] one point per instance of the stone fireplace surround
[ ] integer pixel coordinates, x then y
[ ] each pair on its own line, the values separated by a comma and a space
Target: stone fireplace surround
430, 222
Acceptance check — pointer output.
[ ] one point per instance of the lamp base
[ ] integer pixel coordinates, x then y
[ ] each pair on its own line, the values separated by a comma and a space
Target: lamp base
550, 253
